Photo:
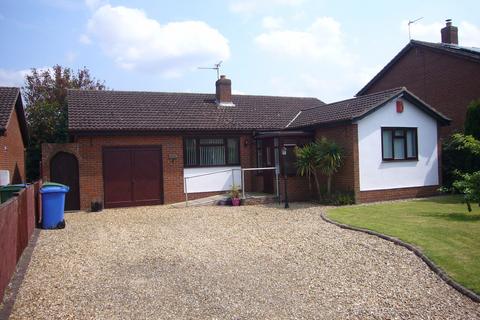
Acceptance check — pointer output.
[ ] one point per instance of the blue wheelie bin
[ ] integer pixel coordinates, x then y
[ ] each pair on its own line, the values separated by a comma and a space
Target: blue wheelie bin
53, 205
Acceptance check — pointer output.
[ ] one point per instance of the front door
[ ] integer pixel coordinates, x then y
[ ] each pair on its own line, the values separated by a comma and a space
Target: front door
268, 161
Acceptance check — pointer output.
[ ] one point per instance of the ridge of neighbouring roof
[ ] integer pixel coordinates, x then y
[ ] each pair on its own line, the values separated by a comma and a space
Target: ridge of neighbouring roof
356, 108
470, 53
91, 110
10, 99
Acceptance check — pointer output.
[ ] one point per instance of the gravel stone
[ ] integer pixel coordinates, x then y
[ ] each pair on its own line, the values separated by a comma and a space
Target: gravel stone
251, 262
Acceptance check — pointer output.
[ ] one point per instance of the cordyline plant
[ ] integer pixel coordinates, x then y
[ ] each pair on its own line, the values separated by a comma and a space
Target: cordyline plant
322, 156
469, 185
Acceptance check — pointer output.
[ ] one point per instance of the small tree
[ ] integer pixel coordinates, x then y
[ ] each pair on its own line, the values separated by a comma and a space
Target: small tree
472, 120
331, 157
45, 94
469, 185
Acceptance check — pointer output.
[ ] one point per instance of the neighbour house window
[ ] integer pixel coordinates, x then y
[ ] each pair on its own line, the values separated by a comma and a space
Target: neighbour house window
399, 144
205, 152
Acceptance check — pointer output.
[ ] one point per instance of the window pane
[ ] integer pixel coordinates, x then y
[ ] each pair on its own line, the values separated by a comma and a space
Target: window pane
269, 156
399, 148
387, 144
411, 144
212, 155
290, 160
399, 133
232, 145
190, 152
211, 141
259, 154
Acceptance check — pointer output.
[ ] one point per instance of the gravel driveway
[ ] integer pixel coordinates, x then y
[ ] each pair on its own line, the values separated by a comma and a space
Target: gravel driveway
254, 262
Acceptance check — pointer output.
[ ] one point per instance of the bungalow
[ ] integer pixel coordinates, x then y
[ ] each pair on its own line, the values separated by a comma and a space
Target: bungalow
141, 148
13, 136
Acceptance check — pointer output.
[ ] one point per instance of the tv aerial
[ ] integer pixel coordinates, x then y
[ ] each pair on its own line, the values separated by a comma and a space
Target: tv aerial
216, 66
410, 22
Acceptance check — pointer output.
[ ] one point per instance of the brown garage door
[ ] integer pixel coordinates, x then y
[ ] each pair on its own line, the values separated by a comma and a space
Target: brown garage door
132, 176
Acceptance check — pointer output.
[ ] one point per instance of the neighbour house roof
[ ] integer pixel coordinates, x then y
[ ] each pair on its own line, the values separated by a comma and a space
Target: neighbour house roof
469, 53
359, 107
113, 111
10, 98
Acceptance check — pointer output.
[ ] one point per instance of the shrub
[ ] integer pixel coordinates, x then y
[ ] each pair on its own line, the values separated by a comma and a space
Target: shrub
472, 120
461, 153
338, 198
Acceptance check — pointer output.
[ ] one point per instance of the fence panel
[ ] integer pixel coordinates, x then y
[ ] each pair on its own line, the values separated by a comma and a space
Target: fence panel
8, 242
18, 217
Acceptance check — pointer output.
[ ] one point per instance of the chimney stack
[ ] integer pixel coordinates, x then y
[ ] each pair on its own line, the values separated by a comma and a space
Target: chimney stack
223, 92
449, 33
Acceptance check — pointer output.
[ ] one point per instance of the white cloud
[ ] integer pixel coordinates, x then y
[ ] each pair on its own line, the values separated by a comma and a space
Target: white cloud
71, 56
13, 78
468, 33
84, 39
95, 4
269, 22
251, 6
137, 42
323, 40
16, 78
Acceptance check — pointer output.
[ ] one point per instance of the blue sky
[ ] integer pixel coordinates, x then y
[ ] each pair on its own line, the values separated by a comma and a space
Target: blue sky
325, 49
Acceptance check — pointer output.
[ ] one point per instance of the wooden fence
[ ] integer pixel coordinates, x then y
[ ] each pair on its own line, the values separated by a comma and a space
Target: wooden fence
18, 218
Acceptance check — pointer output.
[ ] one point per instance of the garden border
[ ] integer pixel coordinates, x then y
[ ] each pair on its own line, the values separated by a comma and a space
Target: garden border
437, 270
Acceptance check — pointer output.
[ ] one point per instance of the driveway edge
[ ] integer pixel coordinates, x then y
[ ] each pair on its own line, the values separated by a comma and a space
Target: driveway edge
457, 286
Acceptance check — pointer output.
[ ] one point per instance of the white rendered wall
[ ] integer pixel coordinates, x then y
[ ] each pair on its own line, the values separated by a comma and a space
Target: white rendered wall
220, 181
376, 174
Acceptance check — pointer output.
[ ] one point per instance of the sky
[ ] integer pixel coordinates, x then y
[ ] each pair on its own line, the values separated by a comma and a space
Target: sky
323, 49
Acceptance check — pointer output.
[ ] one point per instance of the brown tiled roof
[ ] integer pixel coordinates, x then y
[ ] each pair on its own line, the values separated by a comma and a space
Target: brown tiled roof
470, 53
156, 111
356, 108
8, 98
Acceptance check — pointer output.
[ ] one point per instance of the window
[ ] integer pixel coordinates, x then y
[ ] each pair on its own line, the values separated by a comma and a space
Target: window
259, 156
205, 152
290, 160
399, 144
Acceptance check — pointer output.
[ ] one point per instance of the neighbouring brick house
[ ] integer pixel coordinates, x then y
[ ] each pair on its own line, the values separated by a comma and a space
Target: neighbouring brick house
13, 135
139, 148
445, 75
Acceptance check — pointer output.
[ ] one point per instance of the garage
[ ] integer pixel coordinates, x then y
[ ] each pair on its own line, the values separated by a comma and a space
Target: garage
132, 176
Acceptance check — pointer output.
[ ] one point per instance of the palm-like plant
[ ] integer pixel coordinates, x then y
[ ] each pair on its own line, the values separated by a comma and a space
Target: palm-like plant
331, 157
307, 163
322, 156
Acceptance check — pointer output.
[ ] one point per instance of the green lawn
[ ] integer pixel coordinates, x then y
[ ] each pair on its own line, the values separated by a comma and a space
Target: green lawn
441, 227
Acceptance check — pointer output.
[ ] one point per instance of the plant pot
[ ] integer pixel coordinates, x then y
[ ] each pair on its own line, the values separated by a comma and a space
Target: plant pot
235, 202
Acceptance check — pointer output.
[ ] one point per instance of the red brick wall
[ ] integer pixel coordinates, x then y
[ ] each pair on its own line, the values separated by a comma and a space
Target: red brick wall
446, 82
88, 151
12, 149
395, 194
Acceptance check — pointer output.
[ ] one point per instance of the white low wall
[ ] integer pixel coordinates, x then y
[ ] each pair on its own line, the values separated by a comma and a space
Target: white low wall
221, 181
